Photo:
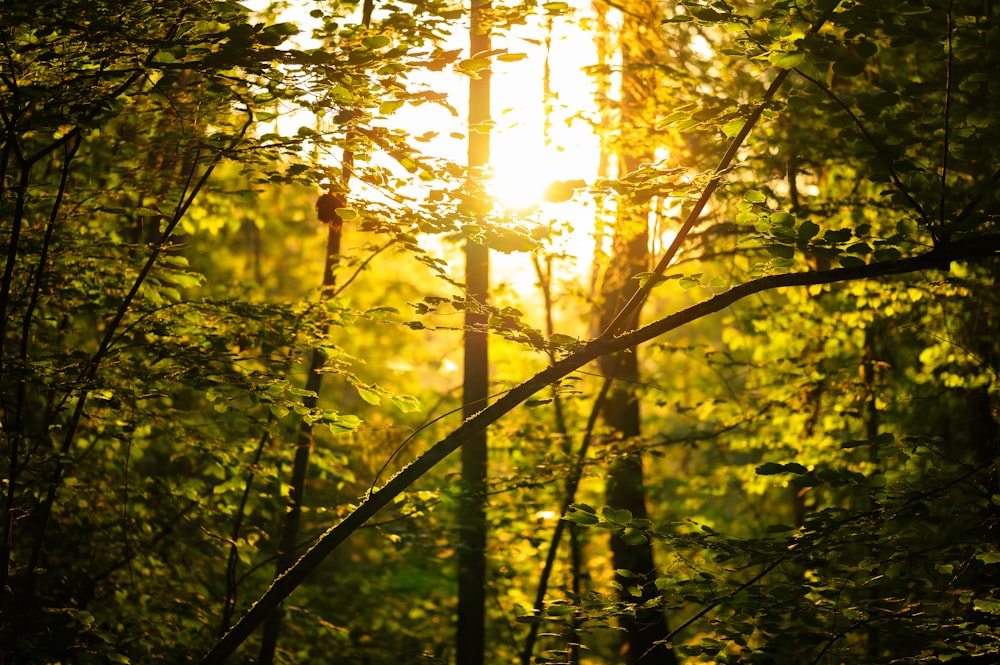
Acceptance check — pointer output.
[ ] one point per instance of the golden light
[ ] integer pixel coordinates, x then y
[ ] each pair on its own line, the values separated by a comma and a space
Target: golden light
520, 184
540, 136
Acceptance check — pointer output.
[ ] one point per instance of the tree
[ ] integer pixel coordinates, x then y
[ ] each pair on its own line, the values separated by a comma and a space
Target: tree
470, 647
645, 626
818, 364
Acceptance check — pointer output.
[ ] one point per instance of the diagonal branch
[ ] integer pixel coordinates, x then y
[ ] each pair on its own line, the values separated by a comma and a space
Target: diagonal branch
283, 586
693, 217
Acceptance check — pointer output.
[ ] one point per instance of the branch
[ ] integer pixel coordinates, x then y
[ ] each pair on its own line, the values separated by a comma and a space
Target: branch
283, 586
693, 217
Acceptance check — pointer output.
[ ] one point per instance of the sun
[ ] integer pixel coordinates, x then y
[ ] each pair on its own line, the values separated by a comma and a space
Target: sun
539, 135
519, 184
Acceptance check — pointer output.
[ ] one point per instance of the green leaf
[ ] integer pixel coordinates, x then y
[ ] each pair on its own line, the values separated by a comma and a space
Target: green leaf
633, 536
341, 423
405, 403
988, 605
532, 403
565, 341
754, 196
581, 517
558, 610
779, 528
782, 219
852, 262
849, 66
733, 127
887, 254
472, 65
619, 517
837, 236
786, 60
376, 41
368, 395
781, 251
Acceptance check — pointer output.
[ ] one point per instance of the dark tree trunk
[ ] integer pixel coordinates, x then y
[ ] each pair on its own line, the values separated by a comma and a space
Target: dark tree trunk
644, 632
470, 634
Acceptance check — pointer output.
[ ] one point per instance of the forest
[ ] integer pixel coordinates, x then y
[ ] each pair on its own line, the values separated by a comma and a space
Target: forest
639, 332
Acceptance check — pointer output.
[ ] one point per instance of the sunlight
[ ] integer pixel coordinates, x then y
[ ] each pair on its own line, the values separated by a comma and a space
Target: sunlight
543, 111
520, 184
540, 137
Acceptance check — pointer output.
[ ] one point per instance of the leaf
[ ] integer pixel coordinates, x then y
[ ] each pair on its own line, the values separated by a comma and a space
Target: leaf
562, 190
733, 127
512, 57
341, 423
786, 60
650, 279
633, 536
376, 41
782, 219
564, 341
689, 282
849, 66
406, 403
560, 609
770, 469
472, 65
532, 403
836, 236
620, 517
754, 196
779, 528
581, 517
390, 107
852, 262
808, 230
368, 395
887, 254
781, 251
988, 605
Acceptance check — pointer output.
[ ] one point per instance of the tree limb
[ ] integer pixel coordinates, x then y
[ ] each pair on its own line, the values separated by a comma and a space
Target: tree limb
283, 586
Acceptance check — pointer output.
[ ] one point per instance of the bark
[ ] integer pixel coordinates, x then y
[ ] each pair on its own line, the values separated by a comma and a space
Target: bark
303, 448
645, 631
470, 634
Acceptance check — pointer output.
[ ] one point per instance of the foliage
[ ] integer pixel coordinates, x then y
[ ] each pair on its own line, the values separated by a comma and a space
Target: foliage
817, 373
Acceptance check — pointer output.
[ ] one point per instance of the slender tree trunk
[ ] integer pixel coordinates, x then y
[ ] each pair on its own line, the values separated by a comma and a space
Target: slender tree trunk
625, 485
326, 210
470, 635
300, 465
625, 489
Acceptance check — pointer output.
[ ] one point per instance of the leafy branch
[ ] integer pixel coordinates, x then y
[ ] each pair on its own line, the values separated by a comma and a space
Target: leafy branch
283, 586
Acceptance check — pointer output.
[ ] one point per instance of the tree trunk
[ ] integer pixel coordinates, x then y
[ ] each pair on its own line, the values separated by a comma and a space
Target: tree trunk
646, 630
625, 486
303, 447
470, 634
